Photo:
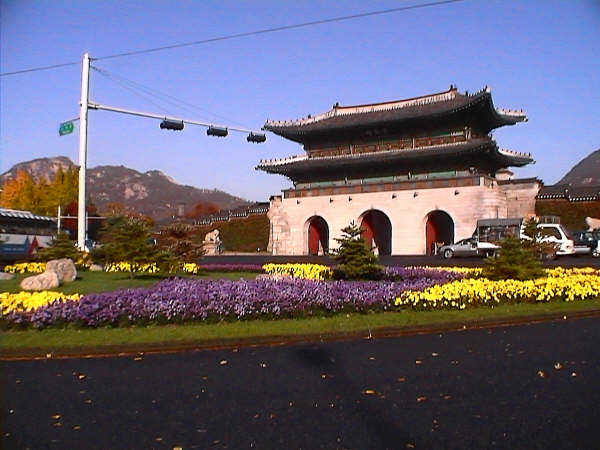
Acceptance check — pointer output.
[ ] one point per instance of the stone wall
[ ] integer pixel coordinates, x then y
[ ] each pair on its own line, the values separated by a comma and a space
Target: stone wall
407, 210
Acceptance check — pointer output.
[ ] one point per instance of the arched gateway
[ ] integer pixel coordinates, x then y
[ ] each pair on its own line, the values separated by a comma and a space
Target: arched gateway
439, 229
318, 236
377, 231
411, 158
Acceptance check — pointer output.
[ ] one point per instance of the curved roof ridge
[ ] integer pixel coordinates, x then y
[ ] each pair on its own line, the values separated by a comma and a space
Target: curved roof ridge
338, 110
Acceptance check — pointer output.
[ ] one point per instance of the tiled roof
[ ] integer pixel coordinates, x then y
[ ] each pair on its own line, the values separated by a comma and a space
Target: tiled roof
570, 193
303, 164
429, 106
18, 214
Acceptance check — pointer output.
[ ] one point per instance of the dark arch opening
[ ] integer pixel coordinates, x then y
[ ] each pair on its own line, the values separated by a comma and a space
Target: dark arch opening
318, 236
439, 230
377, 232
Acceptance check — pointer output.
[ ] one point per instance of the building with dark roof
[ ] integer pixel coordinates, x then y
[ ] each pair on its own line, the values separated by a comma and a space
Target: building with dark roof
414, 173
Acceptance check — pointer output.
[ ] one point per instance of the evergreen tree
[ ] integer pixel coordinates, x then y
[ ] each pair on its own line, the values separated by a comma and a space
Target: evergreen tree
517, 260
127, 239
61, 247
355, 259
179, 240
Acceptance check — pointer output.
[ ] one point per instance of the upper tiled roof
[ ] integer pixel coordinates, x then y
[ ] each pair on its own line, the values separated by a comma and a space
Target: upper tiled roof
441, 104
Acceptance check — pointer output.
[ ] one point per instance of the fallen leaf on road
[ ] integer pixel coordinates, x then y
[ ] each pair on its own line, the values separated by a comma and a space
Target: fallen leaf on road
223, 362
402, 379
434, 354
418, 361
421, 398
558, 366
369, 392
573, 374
541, 374
56, 416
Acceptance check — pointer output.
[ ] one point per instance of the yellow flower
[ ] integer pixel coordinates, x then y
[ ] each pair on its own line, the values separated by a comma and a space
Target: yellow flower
305, 271
30, 301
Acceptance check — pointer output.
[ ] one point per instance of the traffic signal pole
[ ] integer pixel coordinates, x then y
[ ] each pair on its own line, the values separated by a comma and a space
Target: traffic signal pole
171, 123
83, 128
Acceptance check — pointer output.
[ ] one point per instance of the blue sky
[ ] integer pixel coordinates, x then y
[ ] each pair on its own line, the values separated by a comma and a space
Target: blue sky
537, 55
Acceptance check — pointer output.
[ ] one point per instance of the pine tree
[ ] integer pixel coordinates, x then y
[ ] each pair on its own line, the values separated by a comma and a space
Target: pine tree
517, 260
355, 259
61, 247
179, 240
126, 239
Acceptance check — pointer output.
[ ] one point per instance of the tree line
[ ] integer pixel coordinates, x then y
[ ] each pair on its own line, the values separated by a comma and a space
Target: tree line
40, 196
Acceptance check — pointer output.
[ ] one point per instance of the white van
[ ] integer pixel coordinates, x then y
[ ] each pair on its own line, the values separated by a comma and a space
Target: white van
491, 231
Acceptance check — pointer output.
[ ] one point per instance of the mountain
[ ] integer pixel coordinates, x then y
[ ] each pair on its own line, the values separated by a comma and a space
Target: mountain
151, 193
585, 173
38, 168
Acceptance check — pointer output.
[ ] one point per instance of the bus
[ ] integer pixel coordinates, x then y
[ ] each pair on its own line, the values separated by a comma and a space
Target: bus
22, 233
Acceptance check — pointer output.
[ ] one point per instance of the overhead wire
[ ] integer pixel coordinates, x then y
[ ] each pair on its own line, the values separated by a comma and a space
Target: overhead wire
148, 97
245, 34
155, 93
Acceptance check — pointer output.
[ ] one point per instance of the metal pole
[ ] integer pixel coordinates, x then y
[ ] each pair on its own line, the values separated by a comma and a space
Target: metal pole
83, 116
59, 218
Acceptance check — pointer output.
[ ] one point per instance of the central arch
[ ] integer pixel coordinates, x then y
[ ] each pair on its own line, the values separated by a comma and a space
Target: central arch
318, 236
439, 230
377, 231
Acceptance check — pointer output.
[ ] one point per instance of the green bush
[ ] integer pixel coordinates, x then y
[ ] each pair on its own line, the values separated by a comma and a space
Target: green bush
61, 247
356, 261
517, 259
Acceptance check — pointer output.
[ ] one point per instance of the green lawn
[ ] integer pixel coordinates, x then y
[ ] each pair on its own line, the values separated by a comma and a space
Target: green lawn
88, 282
70, 340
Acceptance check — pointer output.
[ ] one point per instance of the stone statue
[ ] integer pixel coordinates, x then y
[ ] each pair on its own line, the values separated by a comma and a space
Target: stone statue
592, 223
212, 244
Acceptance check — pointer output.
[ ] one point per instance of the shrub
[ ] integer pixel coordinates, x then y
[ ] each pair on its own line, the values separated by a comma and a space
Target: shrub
356, 261
61, 247
517, 260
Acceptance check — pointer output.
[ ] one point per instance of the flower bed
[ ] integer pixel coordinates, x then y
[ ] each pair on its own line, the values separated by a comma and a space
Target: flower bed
31, 267
31, 301
303, 271
178, 300
559, 284
194, 268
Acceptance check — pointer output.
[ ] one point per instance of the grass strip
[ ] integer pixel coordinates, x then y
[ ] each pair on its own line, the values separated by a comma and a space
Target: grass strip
98, 340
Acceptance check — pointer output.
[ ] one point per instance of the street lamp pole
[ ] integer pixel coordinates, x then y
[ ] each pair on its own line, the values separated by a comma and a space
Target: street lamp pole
83, 118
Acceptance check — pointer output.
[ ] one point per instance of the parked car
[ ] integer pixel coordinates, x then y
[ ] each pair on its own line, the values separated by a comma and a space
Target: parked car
468, 247
491, 231
587, 242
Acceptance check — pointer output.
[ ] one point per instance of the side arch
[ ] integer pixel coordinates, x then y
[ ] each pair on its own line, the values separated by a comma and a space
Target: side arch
317, 235
439, 230
377, 231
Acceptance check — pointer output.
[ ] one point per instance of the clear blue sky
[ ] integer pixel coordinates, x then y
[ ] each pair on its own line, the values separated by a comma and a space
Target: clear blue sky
541, 56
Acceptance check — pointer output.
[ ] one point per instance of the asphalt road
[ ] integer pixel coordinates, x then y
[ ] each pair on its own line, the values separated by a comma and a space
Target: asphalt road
415, 260
529, 386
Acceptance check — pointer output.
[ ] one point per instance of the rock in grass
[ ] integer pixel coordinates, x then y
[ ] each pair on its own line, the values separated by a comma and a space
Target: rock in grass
64, 268
6, 276
41, 282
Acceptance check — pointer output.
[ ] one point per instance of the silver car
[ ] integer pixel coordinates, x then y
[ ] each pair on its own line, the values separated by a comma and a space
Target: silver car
468, 247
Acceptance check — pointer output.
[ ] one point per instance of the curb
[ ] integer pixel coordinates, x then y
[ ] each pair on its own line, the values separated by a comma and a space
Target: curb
139, 350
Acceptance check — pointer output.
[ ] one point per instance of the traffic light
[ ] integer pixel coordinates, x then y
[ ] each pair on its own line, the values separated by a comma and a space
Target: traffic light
256, 137
168, 124
217, 131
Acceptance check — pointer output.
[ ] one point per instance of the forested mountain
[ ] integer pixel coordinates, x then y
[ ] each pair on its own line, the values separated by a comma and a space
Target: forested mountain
150, 193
